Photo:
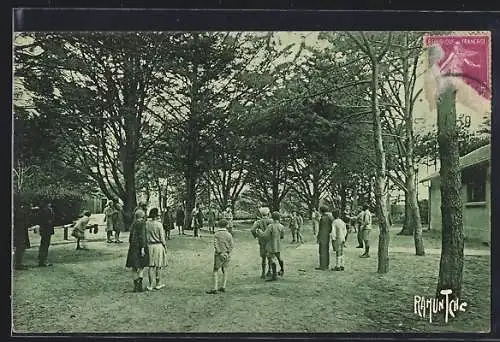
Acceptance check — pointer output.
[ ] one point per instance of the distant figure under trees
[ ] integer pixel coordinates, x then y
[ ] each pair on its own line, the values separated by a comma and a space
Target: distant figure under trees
179, 219
46, 220
21, 235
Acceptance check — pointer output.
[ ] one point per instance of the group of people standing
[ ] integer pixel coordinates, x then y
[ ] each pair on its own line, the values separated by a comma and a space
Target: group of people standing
149, 233
148, 243
41, 217
333, 229
198, 216
269, 232
147, 248
113, 217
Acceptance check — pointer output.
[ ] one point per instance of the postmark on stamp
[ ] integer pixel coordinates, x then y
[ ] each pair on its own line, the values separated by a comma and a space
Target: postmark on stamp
461, 60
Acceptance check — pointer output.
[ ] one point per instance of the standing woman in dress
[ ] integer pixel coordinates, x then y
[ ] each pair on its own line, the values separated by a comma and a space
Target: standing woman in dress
109, 213
118, 223
137, 257
157, 248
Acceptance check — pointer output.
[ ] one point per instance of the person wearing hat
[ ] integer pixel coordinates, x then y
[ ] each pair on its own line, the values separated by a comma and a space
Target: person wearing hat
260, 226
137, 256
273, 234
109, 213
323, 238
223, 246
157, 249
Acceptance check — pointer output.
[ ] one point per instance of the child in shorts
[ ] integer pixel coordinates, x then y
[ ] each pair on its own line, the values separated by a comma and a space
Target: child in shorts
223, 246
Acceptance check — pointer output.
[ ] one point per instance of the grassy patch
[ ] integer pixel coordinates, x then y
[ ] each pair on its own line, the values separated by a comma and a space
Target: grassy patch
90, 291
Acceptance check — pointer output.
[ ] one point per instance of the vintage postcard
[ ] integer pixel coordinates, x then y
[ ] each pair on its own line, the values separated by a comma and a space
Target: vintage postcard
251, 181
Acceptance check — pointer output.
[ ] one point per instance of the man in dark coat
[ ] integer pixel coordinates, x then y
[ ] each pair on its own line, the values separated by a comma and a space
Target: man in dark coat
46, 219
21, 236
323, 239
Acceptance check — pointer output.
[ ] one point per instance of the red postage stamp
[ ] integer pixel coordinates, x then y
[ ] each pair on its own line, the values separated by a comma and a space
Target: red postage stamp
463, 61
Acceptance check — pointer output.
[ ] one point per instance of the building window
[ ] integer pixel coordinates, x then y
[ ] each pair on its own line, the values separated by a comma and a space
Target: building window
476, 192
475, 181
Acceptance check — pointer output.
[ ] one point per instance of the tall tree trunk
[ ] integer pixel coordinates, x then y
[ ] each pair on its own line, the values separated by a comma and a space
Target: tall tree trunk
130, 202
343, 199
452, 252
411, 185
148, 192
315, 193
160, 197
407, 226
190, 198
354, 205
380, 176
275, 196
165, 196
389, 210
414, 219
275, 193
129, 165
224, 204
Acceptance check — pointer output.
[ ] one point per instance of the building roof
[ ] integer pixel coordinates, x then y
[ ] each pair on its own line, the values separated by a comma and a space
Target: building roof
475, 157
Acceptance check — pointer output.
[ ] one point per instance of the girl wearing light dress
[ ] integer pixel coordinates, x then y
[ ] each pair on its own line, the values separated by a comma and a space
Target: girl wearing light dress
157, 249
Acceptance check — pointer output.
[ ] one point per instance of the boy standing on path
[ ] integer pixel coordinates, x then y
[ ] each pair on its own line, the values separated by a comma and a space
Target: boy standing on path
223, 246
366, 227
339, 233
273, 234
259, 227
300, 222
